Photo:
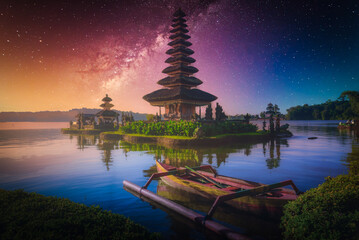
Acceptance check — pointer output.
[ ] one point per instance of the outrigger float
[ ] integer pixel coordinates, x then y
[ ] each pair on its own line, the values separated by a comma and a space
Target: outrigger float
246, 195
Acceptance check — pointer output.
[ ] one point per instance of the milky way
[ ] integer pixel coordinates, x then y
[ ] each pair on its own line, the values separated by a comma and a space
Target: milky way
61, 55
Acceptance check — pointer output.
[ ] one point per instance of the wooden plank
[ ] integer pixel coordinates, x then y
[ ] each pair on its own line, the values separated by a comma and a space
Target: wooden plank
208, 179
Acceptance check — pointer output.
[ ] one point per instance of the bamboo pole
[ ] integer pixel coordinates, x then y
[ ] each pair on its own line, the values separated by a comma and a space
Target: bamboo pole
188, 213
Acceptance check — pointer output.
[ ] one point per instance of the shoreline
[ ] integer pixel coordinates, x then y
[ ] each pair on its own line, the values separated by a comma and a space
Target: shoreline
82, 131
175, 141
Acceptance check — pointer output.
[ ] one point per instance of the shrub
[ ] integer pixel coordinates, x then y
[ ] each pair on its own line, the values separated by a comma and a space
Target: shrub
186, 128
330, 211
34, 216
169, 128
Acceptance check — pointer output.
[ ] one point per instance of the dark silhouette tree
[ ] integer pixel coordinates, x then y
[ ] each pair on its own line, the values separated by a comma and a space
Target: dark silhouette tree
262, 114
247, 117
209, 112
276, 110
353, 100
220, 115
270, 111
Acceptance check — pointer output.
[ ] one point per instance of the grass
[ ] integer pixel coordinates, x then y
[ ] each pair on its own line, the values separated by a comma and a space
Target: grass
238, 134
165, 136
258, 133
34, 216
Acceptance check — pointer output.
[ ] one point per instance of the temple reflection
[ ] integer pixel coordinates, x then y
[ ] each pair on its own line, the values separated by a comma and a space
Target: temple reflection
274, 145
83, 140
106, 146
180, 157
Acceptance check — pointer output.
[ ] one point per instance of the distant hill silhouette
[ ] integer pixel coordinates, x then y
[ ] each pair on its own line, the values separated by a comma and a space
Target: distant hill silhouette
55, 116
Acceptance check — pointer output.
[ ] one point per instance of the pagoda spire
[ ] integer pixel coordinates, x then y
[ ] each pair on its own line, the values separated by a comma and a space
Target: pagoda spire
106, 105
178, 98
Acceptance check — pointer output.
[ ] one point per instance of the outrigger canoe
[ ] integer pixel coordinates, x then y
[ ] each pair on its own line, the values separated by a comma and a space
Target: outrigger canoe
246, 195
257, 198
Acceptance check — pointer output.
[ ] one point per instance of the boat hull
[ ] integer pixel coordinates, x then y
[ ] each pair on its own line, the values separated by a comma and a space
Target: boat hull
259, 205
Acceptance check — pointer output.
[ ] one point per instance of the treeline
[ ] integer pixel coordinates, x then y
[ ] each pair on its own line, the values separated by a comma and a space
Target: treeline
346, 107
54, 116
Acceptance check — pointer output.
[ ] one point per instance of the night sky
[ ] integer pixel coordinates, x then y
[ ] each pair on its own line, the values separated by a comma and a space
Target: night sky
59, 55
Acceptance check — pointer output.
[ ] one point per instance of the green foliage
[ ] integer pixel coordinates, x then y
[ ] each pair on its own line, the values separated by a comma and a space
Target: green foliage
186, 128
353, 100
262, 114
330, 110
330, 211
270, 109
165, 128
225, 127
150, 117
33, 216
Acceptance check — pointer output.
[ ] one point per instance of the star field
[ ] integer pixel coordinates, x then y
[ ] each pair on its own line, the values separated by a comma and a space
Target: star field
58, 55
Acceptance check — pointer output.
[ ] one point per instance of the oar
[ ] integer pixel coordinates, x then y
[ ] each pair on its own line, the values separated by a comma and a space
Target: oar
202, 176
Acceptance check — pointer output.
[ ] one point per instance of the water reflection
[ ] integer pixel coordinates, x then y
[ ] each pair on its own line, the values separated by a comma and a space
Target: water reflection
87, 171
192, 157
243, 221
213, 156
84, 141
105, 146
352, 159
274, 145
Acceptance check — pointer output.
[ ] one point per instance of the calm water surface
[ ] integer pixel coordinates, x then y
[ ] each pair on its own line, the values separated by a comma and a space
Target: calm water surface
38, 158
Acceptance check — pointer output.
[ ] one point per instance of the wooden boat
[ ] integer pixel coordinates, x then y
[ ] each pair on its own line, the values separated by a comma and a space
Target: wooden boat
257, 198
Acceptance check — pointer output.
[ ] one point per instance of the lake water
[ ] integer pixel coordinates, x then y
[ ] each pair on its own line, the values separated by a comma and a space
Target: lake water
37, 157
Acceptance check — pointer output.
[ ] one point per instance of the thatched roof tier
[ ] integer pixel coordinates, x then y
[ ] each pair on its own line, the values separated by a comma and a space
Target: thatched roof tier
180, 35
180, 80
108, 105
180, 42
179, 24
179, 20
179, 29
180, 58
106, 99
178, 86
179, 13
180, 68
179, 93
107, 113
180, 50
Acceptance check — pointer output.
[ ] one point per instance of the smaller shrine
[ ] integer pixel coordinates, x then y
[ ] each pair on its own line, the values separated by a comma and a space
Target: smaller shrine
106, 119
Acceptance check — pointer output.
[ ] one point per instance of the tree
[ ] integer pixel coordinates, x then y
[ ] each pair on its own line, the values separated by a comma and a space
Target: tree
209, 112
276, 110
262, 114
220, 115
247, 117
270, 109
353, 100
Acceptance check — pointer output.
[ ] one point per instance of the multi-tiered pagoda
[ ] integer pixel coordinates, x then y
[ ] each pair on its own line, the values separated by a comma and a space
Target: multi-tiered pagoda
179, 96
106, 116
